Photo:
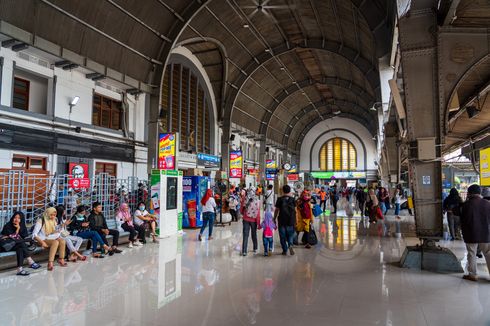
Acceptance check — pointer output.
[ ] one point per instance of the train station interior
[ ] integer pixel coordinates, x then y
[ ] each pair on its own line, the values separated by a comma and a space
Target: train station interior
170, 137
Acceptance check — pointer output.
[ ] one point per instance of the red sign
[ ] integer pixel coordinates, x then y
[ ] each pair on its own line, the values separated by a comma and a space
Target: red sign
293, 177
78, 175
80, 183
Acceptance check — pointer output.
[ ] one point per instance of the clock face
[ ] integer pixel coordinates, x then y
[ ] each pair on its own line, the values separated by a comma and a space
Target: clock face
287, 166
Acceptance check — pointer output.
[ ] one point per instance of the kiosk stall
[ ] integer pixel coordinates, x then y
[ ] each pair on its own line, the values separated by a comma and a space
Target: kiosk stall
166, 200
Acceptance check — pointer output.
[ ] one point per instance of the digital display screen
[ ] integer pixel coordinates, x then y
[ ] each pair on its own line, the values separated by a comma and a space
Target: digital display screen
171, 193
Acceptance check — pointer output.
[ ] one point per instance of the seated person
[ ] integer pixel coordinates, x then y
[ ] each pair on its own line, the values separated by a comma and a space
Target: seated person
145, 219
13, 234
46, 235
72, 242
80, 227
98, 223
124, 216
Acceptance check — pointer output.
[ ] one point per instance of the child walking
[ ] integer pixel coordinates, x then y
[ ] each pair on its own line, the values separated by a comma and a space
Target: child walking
268, 236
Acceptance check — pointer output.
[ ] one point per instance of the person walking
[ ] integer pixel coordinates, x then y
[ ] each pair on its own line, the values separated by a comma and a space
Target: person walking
269, 199
323, 199
475, 224
398, 199
285, 218
334, 198
452, 206
305, 217
268, 226
251, 219
208, 213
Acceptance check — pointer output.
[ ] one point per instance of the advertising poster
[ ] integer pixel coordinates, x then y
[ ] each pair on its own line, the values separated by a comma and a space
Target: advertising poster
79, 178
167, 152
270, 164
485, 167
194, 188
236, 163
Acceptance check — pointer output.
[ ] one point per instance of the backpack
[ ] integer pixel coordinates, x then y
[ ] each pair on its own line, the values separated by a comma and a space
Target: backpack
288, 207
268, 232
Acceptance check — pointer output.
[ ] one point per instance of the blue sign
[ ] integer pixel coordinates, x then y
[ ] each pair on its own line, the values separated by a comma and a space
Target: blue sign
208, 161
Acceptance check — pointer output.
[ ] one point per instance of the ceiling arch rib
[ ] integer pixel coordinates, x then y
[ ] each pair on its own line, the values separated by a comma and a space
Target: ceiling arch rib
326, 80
369, 71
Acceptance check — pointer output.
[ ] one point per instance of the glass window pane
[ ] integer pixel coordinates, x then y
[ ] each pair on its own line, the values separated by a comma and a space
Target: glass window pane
106, 119
19, 162
96, 116
116, 119
36, 163
345, 155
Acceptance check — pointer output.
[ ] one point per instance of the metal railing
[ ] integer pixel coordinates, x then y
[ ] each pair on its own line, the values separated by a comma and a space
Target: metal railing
32, 193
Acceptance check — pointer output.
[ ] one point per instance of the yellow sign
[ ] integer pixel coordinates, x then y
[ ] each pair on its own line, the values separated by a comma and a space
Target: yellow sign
485, 167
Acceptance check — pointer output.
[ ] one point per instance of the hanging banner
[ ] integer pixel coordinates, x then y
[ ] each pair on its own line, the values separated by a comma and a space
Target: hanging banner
339, 175
236, 163
485, 167
167, 150
270, 164
78, 176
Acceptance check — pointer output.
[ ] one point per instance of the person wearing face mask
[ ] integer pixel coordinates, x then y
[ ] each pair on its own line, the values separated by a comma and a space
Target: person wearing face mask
144, 220
80, 226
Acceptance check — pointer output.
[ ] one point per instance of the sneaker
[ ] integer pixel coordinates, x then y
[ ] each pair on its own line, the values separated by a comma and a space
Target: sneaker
308, 246
468, 277
130, 245
284, 253
210, 238
137, 243
291, 251
200, 237
117, 251
244, 254
266, 254
255, 251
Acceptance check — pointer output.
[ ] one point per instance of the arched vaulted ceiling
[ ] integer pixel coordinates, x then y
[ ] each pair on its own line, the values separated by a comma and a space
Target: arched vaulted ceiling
293, 63
277, 66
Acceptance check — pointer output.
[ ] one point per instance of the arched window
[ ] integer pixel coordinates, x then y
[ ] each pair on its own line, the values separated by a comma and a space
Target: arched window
338, 154
186, 108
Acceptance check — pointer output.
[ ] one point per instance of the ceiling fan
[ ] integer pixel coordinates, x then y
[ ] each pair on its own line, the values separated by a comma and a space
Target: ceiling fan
263, 6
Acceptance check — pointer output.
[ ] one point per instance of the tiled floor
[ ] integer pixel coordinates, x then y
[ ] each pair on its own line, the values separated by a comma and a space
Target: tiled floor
348, 279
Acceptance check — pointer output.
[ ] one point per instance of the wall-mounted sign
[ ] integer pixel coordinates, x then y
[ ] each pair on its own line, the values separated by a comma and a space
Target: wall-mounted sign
208, 161
79, 178
485, 167
167, 150
293, 177
270, 176
339, 175
252, 171
236, 163
270, 164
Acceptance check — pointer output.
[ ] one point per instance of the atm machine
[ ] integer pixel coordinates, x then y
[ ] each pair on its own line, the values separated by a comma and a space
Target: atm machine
166, 201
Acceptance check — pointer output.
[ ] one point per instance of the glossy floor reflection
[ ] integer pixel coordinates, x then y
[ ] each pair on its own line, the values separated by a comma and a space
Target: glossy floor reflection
350, 278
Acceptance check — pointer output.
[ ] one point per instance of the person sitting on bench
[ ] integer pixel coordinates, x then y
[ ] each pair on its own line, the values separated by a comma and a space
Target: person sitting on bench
80, 227
98, 223
12, 238
145, 219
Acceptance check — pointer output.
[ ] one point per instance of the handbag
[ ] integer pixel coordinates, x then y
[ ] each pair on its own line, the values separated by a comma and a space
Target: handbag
317, 210
312, 238
7, 244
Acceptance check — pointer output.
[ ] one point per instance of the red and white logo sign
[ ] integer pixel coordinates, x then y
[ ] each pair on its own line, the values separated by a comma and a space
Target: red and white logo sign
293, 177
80, 183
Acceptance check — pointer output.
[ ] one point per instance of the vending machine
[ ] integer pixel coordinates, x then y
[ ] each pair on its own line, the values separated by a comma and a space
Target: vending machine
166, 200
194, 188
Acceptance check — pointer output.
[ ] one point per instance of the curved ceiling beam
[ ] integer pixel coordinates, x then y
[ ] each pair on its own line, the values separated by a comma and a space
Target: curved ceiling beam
313, 123
342, 104
369, 71
291, 90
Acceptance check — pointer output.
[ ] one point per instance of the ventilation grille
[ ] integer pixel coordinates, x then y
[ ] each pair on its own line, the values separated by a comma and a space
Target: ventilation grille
33, 59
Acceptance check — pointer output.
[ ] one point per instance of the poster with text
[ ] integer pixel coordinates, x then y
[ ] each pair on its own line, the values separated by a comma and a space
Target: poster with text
270, 164
167, 151
485, 167
79, 178
236, 163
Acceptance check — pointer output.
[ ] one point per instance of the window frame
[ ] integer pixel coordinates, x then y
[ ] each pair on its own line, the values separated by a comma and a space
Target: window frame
28, 159
112, 106
27, 93
324, 155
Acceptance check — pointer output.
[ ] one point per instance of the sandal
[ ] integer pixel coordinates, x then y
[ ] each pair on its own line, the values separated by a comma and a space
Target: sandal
84, 258
35, 266
50, 266
73, 260
62, 263
23, 273
97, 256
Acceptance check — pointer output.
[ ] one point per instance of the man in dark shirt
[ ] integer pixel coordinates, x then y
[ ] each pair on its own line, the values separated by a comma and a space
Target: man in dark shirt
475, 224
98, 223
286, 215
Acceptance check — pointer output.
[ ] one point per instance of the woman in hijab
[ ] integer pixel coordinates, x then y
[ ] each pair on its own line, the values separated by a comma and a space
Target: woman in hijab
124, 216
306, 214
208, 213
46, 235
15, 231
251, 219
373, 205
